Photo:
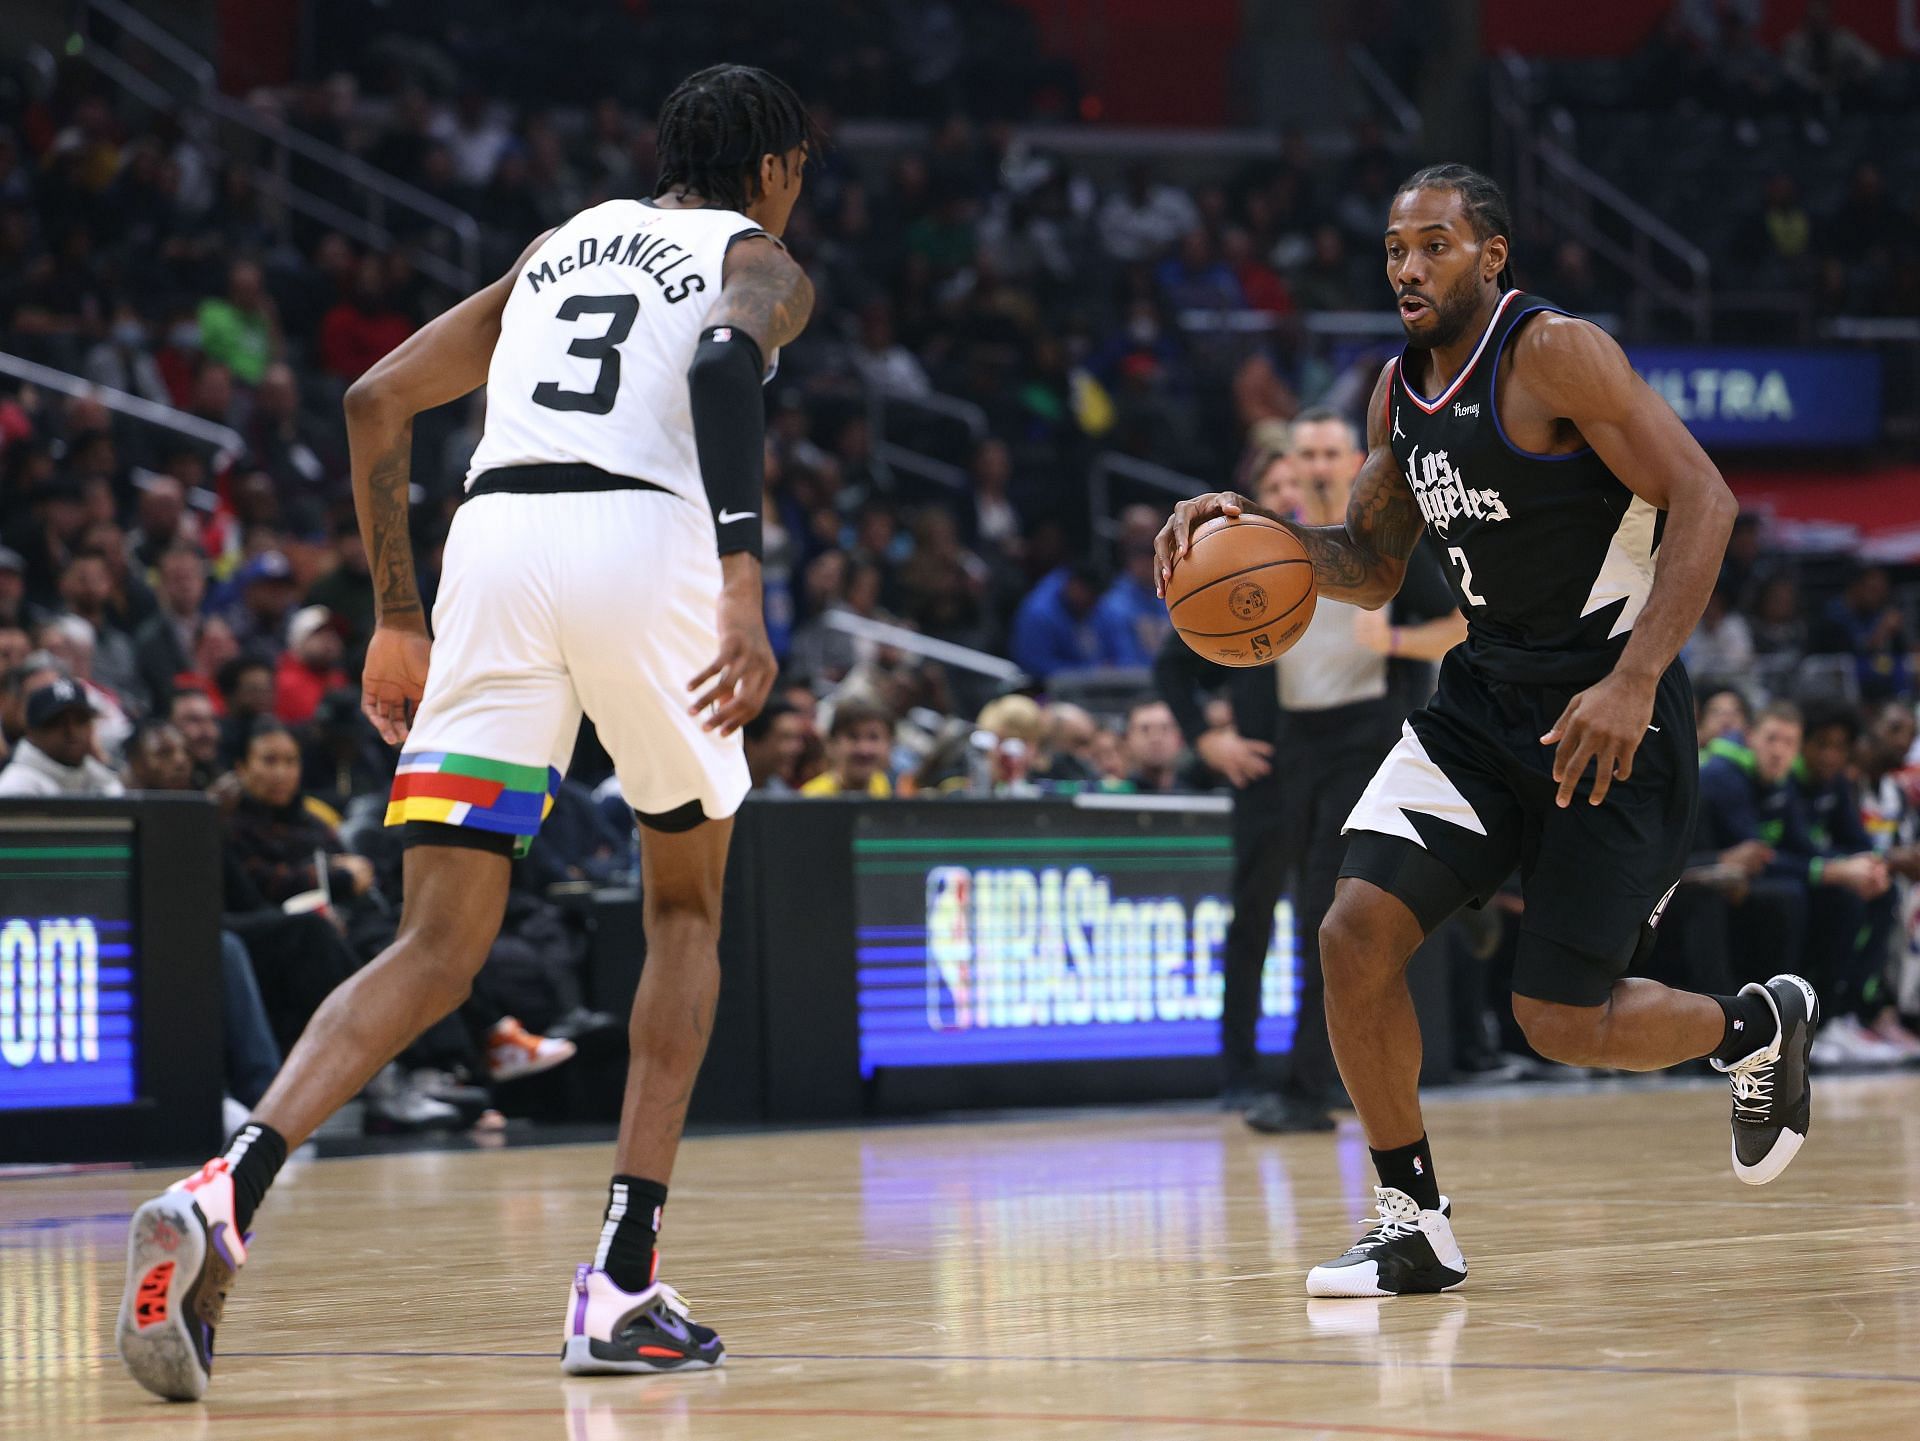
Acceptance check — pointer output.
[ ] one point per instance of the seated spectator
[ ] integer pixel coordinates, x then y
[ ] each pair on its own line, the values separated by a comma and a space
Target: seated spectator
1130, 618
1828, 62
773, 741
1018, 728
858, 744
1890, 811
15, 609
1195, 278
1724, 714
343, 756
1851, 922
241, 330
68, 642
274, 839
267, 593
1864, 622
193, 715
1065, 756
1143, 219
363, 326
1107, 754
55, 757
310, 665
86, 585
246, 688
157, 759
163, 646
1153, 748
1054, 630
347, 589
15, 646
1721, 644
1777, 625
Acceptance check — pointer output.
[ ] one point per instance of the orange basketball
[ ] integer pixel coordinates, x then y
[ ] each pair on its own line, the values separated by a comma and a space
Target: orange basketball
1245, 591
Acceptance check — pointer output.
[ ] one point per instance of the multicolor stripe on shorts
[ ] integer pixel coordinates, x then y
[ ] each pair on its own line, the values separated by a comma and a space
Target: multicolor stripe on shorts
457, 790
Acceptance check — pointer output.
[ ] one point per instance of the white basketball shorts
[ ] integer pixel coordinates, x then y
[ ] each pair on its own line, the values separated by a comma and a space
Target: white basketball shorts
550, 606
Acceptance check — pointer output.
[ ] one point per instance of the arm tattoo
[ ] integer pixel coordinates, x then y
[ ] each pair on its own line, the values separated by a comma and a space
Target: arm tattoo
768, 296
389, 546
1369, 550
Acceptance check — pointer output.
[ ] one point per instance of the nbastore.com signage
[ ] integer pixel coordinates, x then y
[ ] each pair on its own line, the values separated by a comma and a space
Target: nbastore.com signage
1737, 396
1095, 942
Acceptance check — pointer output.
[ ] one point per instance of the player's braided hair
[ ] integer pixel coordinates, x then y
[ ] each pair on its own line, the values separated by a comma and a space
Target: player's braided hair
1483, 201
717, 125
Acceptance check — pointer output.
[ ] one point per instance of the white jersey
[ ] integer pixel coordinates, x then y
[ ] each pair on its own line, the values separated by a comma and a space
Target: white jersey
595, 343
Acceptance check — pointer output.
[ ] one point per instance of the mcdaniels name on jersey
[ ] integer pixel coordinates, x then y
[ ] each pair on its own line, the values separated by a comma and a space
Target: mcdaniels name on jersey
653, 255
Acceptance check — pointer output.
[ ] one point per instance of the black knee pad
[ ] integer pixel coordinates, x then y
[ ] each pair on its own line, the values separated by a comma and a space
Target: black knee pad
675, 821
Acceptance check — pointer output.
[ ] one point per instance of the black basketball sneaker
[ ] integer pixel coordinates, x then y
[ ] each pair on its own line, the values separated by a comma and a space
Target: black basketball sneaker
1772, 1094
1405, 1251
611, 1331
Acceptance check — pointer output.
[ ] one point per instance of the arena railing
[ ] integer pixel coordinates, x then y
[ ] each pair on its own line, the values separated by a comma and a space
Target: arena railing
236, 128
1552, 191
890, 454
224, 440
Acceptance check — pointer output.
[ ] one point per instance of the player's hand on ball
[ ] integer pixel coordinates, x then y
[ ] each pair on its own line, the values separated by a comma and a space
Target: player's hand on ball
741, 675
1602, 726
1176, 536
393, 679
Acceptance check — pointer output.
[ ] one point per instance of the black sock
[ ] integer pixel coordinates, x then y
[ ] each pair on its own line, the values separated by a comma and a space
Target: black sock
628, 1234
1750, 1024
1410, 1169
254, 1156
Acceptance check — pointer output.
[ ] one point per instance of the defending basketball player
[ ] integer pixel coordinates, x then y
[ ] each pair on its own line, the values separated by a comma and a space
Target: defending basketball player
607, 562
1583, 529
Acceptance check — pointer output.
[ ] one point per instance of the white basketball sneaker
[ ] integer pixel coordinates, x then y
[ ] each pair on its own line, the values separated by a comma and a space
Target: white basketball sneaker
183, 1252
610, 1331
1405, 1251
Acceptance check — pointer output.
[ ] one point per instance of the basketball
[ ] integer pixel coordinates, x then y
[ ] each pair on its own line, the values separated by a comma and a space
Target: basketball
1244, 593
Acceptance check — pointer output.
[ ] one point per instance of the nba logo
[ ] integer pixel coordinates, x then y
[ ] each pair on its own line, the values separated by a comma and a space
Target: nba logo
949, 948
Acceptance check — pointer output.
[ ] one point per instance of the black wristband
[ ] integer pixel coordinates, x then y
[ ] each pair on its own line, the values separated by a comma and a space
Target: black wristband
730, 433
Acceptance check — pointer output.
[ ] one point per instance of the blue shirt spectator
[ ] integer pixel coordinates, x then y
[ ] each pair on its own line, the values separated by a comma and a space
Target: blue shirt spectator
1131, 622
1054, 628
1864, 622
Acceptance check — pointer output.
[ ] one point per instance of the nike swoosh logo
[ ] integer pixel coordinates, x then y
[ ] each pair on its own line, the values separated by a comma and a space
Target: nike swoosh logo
728, 517
1654, 729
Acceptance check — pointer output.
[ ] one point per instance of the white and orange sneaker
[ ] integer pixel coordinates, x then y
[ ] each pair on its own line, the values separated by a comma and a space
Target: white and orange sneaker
615, 1332
183, 1252
513, 1051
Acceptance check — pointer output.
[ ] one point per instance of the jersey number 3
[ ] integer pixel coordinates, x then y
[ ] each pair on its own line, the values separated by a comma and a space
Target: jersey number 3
605, 348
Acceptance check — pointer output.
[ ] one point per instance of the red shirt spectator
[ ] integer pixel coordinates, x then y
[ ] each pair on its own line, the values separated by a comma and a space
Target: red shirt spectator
364, 326
311, 666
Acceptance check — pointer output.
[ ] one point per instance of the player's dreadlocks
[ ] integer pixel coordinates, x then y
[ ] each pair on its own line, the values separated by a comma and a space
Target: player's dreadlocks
1480, 198
717, 125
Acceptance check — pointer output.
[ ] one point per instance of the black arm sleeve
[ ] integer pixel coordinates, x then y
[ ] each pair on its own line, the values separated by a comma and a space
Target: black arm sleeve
730, 433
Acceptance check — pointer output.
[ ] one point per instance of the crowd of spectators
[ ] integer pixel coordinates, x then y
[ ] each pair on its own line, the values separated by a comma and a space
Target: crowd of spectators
179, 616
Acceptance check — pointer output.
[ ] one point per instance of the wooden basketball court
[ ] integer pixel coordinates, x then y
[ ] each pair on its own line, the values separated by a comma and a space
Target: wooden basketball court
1132, 1274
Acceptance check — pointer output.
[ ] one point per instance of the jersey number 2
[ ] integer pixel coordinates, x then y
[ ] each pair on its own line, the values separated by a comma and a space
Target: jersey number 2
605, 348
1466, 576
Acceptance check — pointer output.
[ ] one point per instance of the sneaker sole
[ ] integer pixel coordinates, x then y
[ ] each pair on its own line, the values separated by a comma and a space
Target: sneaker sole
577, 1359
161, 1356
1775, 1161
1362, 1282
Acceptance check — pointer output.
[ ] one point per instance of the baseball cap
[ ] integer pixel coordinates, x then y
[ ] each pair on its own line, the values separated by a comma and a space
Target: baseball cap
52, 701
308, 621
268, 565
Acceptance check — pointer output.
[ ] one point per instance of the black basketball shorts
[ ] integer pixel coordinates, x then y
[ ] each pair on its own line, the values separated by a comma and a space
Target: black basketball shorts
1467, 797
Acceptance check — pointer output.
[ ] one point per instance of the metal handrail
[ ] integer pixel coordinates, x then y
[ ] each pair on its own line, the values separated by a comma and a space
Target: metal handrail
899, 637
135, 407
1392, 99
1551, 185
889, 456
203, 93
1111, 463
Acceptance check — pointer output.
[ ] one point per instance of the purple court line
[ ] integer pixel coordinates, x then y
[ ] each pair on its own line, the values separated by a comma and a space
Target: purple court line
1551, 1367
851, 1413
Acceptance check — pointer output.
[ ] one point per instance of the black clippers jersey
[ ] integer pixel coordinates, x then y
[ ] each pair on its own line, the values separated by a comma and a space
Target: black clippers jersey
1550, 555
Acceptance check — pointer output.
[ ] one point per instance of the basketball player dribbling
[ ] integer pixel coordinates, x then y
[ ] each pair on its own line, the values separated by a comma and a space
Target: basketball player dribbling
1582, 529
606, 562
